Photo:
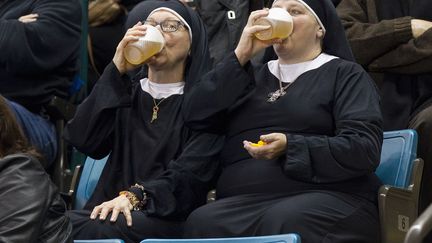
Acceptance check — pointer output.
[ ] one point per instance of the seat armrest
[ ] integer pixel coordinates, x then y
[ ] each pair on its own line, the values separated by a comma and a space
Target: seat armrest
69, 196
420, 228
398, 207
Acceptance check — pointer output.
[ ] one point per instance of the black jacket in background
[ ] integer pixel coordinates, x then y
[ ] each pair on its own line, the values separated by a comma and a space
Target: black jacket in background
31, 209
224, 20
39, 59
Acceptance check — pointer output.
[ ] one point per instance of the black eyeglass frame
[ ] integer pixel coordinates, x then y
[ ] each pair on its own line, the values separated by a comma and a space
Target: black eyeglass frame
176, 24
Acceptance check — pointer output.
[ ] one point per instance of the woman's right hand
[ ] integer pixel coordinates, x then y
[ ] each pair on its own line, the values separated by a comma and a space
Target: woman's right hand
132, 34
28, 18
419, 26
249, 45
118, 205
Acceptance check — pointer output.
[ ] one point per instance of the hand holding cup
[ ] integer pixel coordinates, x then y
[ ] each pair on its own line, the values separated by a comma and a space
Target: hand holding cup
132, 37
280, 22
264, 28
140, 51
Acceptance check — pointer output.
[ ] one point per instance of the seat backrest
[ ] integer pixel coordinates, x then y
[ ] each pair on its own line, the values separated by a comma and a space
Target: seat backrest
285, 238
397, 156
88, 180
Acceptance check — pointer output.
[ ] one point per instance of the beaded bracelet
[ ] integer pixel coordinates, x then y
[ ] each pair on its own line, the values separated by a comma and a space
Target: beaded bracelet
141, 189
136, 204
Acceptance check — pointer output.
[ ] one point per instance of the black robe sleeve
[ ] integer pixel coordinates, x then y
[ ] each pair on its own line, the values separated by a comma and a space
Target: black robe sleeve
91, 130
413, 57
210, 99
355, 148
185, 183
365, 32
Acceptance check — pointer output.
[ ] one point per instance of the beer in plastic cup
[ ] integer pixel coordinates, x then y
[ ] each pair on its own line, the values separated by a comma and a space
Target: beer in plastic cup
280, 22
139, 51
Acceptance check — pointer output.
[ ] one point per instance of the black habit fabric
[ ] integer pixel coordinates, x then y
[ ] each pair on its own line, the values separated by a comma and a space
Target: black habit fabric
39, 59
175, 164
325, 183
404, 95
331, 117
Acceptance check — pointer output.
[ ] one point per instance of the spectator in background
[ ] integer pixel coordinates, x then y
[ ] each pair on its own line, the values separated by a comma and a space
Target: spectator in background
392, 39
39, 46
31, 209
225, 21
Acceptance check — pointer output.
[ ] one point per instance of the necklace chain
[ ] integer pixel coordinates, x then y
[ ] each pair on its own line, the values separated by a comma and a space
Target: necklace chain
273, 96
155, 109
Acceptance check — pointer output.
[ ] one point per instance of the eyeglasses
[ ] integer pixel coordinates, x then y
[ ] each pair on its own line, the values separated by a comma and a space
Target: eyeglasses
167, 26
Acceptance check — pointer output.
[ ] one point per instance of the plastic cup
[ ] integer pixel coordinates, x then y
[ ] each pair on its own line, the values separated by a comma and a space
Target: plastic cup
280, 22
139, 51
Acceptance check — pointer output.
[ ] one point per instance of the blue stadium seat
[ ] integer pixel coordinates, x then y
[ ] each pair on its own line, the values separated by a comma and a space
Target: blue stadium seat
285, 238
87, 183
400, 172
398, 152
89, 178
100, 241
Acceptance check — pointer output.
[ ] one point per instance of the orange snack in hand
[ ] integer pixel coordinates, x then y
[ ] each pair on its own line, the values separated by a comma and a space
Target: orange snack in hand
259, 144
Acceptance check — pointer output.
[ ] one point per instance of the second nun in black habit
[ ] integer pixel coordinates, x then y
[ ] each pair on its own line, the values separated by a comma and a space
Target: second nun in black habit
158, 170
318, 113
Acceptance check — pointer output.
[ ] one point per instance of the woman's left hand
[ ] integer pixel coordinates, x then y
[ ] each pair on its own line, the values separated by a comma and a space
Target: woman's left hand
275, 146
118, 205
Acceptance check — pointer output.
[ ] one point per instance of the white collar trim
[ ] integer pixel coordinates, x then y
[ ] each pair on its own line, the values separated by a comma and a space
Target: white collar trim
160, 91
290, 72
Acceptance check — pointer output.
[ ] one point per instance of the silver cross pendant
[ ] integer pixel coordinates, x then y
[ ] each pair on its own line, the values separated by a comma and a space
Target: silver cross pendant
273, 96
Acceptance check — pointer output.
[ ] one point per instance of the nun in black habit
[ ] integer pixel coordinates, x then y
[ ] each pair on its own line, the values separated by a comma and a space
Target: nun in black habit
319, 116
158, 170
